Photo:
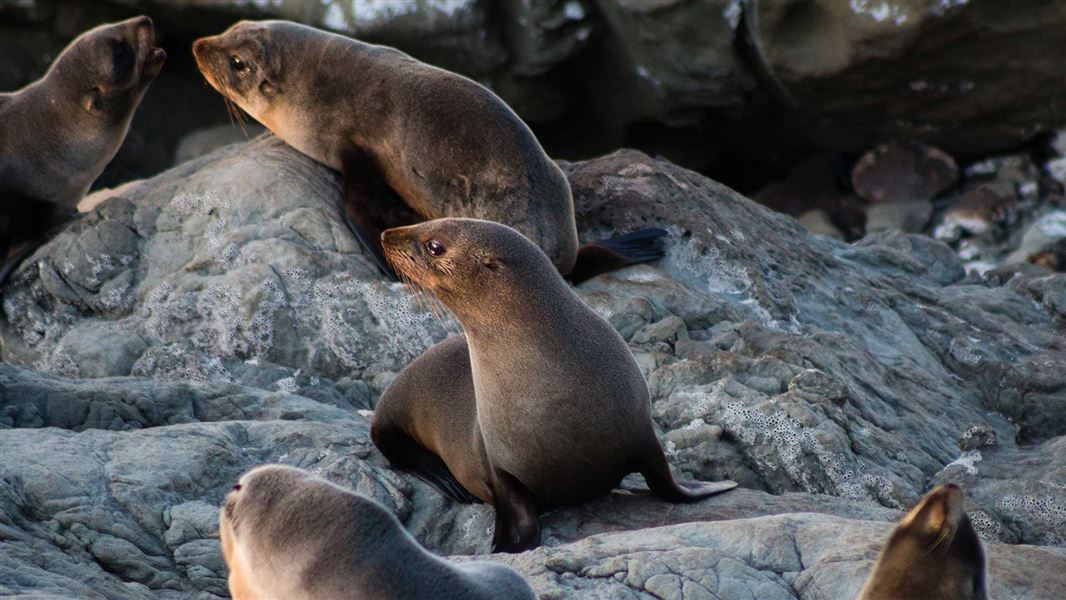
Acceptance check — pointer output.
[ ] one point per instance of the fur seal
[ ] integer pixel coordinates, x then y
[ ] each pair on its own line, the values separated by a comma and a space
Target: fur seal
933, 553
58, 133
412, 141
540, 405
288, 534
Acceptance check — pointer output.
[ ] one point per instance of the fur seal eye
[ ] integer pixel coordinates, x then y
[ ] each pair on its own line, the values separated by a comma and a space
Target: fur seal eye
237, 487
237, 64
434, 248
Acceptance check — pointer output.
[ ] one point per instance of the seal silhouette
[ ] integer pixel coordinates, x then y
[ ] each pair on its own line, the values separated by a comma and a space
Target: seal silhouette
412, 141
288, 534
540, 405
58, 133
933, 553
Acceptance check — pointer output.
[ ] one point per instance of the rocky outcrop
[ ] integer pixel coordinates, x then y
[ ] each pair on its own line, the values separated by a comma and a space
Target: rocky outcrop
734, 88
220, 315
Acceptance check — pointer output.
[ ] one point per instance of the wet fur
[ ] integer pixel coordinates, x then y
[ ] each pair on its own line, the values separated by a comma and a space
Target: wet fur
557, 400
288, 534
58, 133
933, 553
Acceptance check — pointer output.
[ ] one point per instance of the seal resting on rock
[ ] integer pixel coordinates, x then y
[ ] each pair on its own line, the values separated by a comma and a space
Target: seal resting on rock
58, 133
540, 405
411, 141
933, 553
288, 534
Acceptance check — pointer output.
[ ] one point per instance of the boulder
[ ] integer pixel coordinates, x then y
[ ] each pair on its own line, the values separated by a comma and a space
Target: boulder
220, 316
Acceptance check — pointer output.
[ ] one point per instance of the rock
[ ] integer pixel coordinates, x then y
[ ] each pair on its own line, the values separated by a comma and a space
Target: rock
244, 325
900, 173
873, 71
812, 193
1044, 242
207, 140
978, 211
768, 557
908, 217
738, 89
817, 222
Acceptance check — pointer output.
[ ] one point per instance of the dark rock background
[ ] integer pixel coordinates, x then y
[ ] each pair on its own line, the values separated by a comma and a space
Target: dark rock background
739, 90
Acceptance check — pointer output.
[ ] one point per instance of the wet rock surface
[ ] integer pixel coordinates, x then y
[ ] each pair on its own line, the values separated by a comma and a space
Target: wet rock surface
220, 316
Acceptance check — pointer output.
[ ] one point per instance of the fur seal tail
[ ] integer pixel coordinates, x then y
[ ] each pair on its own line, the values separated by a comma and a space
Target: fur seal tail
640, 246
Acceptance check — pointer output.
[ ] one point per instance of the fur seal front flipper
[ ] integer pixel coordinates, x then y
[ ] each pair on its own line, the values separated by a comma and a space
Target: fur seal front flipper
364, 191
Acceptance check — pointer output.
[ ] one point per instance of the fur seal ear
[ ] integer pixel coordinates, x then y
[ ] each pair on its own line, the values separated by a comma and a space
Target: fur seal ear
268, 89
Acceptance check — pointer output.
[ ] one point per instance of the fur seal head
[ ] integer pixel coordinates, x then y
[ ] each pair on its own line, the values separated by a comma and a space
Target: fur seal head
246, 63
455, 258
286, 533
933, 553
109, 67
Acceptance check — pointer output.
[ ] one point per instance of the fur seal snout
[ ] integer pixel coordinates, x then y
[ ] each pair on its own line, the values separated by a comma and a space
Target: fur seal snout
58, 133
541, 405
412, 141
288, 534
933, 553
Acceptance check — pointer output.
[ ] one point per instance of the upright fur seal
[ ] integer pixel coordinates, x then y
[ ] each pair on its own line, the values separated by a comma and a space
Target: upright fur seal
406, 136
933, 553
58, 133
542, 403
288, 534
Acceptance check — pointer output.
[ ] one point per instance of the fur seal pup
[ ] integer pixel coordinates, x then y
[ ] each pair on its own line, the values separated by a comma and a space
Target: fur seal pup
933, 553
540, 405
58, 133
288, 534
412, 141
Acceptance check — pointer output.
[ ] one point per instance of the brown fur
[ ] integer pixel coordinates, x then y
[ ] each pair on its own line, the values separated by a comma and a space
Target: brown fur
933, 553
288, 534
443, 143
58, 133
557, 401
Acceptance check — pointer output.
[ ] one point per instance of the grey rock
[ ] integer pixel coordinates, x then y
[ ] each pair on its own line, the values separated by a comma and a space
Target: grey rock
244, 325
903, 173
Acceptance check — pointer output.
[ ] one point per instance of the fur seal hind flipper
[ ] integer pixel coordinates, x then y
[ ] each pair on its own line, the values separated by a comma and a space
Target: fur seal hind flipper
517, 515
408, 455
660, 480
633, 248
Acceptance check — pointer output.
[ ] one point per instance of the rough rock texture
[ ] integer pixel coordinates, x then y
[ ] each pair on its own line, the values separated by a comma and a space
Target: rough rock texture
220, 315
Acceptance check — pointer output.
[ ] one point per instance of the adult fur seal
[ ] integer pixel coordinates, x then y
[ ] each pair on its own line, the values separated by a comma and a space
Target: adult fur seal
933, 553
288, 534
406, 137
58, 133
542, 403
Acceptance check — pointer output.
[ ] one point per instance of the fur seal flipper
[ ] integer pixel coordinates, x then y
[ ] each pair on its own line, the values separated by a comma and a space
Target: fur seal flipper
933, 553
540, 405
58, 133
441, 144
640, 246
